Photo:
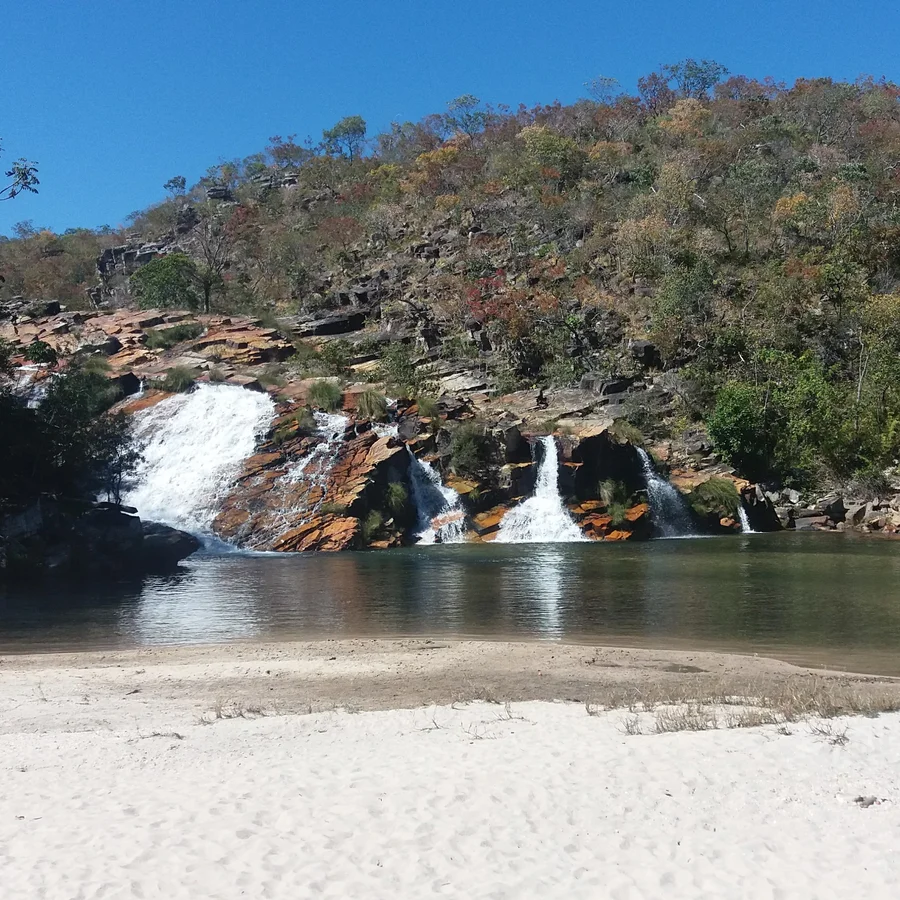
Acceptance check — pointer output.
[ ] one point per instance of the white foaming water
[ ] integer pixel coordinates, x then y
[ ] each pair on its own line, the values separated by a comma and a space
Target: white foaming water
541, 518
439, 508
194, 446
386, 430
316, 465
745, 522
667, 507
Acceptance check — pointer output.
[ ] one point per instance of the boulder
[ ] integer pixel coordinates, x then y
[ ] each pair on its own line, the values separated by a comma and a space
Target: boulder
163, 546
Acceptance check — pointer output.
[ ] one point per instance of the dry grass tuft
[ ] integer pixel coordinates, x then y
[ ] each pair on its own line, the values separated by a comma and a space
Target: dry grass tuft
237, 709
703, 704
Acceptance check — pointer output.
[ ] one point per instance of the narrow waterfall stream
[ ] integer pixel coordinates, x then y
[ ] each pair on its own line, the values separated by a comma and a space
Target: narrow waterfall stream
194, 446
441, 517
315, 466
667, 507
744, 520
541, 518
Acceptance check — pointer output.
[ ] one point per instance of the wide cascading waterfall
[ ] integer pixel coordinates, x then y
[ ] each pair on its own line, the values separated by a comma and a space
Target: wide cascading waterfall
441, 517
744, 520
667, 507
541, 518
194, 446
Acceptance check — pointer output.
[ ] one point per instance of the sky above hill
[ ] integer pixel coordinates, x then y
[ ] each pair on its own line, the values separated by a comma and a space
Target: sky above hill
113, 98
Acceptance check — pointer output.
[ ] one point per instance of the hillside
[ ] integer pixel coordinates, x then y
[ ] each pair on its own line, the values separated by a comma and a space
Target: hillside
713, 263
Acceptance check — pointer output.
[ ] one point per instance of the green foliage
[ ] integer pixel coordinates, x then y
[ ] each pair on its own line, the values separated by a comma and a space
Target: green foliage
166, 338
347, 136
68, 446
372, 525
6, 355
740, 429
428, 407
616, 499
325, 395
42, 353
306, 421
372, 405
396, 497
216, 375
178, 380
167, 282
336, 356
333, 509
626, 433
468, 449
717, 496
400, 373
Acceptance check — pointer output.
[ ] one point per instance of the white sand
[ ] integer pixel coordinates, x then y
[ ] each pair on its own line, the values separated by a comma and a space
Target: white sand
433, 802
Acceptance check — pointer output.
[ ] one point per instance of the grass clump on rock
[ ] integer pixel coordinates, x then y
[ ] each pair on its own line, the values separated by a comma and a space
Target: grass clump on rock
718, 495
397, 496
468, 448
166, 338
372, 405
178, 380
325, 395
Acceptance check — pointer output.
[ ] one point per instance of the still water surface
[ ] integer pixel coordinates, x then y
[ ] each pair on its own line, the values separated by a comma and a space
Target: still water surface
816, 599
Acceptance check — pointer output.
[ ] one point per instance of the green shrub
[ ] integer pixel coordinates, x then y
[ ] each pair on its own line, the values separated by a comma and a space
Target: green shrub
468, 448
738, 429
616, 498
325, 395
336, 356
178, 380
166, 338
401, 373
428, 408
271, 377
42, 353
397, 497
306, 421
372, 405
167, 281
718, 495
372, 525
96, 363
626, 433
216, 375
333, 509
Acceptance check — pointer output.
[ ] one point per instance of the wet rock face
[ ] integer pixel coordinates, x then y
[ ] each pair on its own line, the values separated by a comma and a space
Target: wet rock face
308, 495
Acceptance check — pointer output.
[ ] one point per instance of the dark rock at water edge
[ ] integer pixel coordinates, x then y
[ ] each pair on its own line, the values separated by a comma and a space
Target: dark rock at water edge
87, 540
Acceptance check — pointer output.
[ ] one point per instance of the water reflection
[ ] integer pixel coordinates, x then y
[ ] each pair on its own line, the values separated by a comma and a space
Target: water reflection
833, 597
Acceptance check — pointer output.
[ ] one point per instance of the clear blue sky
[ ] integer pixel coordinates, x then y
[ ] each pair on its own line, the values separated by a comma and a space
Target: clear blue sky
113, 98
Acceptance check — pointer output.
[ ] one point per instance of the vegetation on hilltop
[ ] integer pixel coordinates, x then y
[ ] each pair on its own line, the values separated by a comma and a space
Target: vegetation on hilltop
750, 230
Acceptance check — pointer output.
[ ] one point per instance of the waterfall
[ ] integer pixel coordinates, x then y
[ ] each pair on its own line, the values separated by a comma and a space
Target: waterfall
667, 507
745, 522
315, 466
194, 446
441, 518
541, 518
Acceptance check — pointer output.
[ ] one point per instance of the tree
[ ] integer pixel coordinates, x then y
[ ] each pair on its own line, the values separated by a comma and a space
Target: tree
465, 114
694, 79
346, 137
603, 90
176, 186
214, 240
23, 173
42, 353
167, 281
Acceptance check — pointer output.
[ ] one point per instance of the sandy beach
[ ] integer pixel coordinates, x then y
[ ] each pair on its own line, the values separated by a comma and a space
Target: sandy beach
413, 769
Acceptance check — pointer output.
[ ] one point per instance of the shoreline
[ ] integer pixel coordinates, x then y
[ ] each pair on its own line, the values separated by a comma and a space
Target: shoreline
374, 674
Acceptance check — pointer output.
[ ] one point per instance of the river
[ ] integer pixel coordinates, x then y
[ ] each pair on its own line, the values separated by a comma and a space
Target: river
817, 599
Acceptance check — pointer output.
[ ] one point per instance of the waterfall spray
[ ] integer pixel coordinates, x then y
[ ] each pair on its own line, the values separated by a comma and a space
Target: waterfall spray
441, 518
667, 507
541, 518
194, 446
744, 520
